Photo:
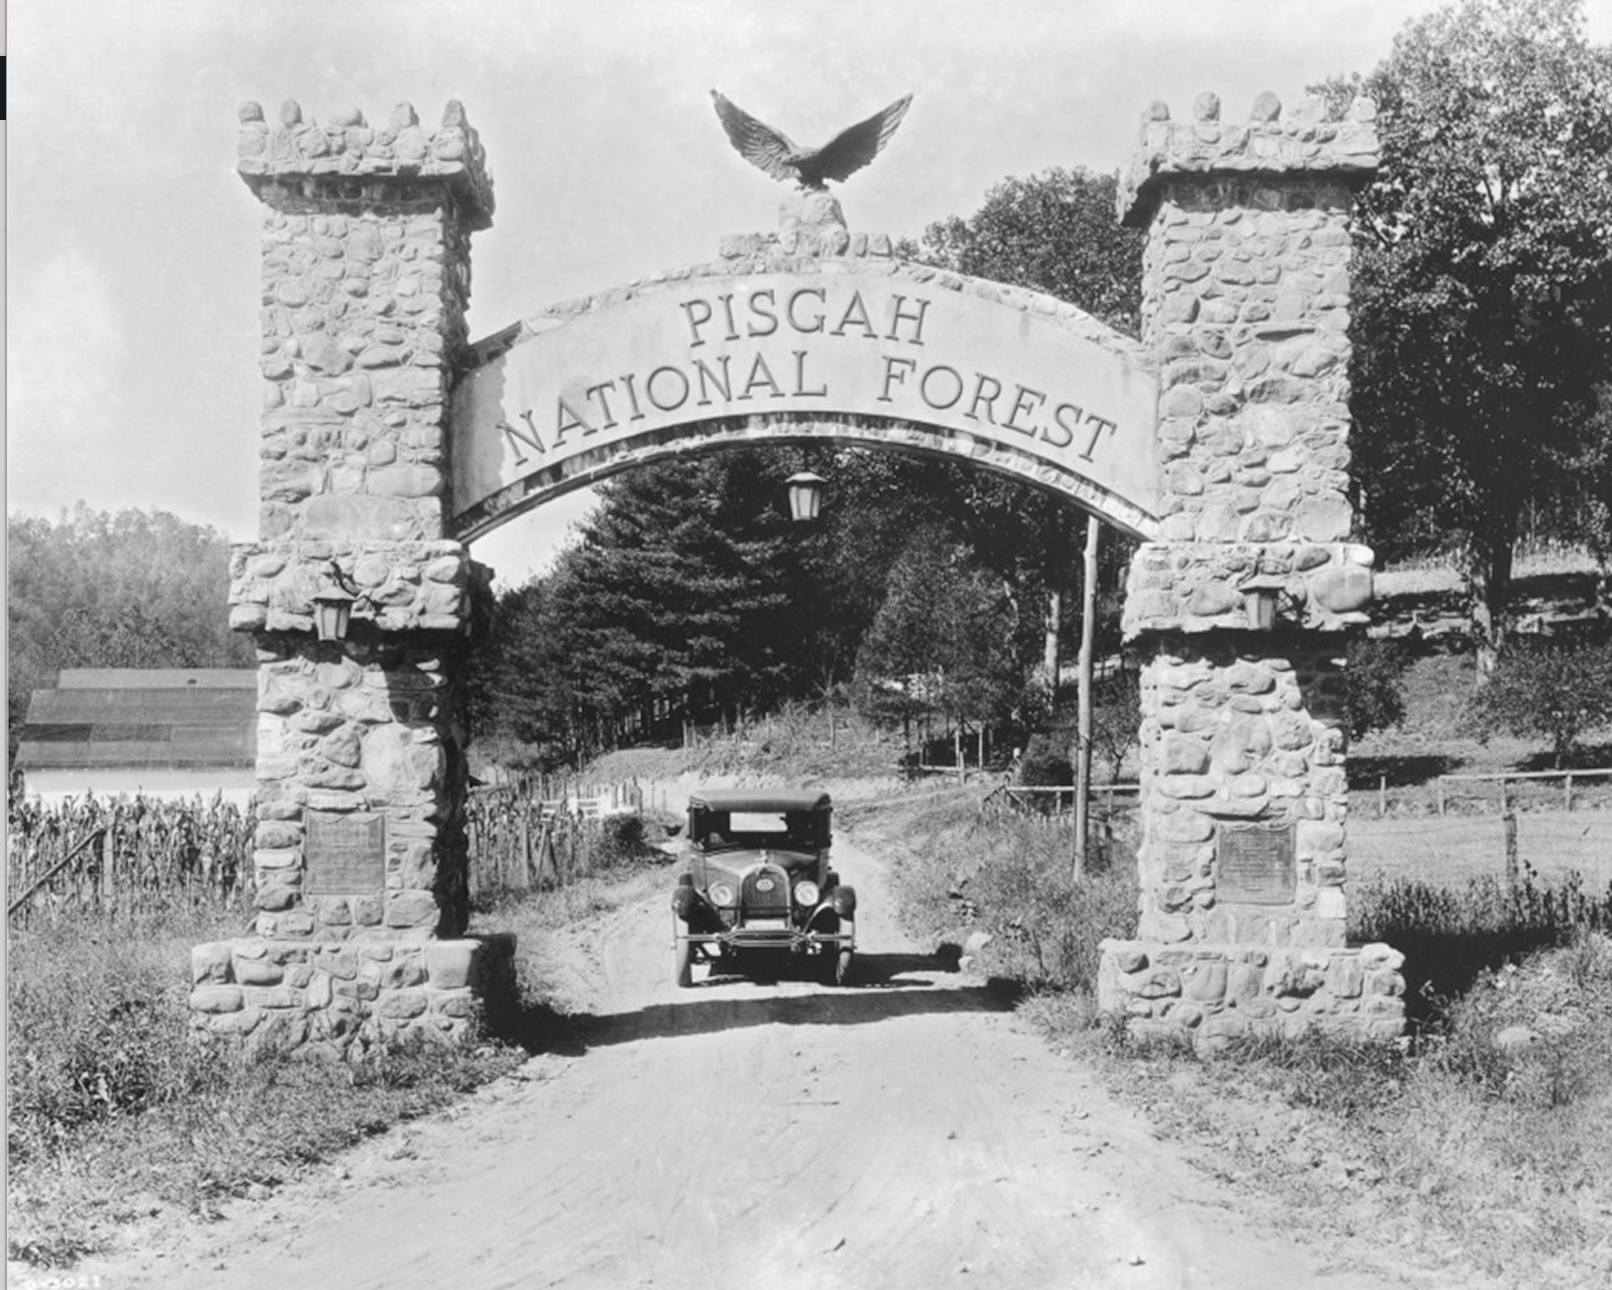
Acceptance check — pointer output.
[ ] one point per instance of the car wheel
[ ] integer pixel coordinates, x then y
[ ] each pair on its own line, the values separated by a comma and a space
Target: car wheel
842, 960
684, 958
825, 963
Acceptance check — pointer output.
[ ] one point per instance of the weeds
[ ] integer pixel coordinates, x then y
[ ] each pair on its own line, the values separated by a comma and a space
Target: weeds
1008, 882
1451, 936
116, 1113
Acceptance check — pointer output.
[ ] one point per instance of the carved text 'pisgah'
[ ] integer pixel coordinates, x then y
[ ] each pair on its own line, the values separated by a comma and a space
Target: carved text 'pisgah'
771, 348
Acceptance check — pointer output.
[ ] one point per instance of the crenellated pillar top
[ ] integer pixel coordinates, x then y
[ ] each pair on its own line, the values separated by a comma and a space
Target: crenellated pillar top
1269, 144
301, 167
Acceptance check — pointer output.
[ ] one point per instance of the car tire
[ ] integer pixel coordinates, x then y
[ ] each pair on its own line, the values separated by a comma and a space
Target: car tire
684, 958
825, 963
842, 960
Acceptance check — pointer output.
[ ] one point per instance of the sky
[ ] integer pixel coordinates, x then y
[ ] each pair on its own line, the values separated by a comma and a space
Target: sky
132, 249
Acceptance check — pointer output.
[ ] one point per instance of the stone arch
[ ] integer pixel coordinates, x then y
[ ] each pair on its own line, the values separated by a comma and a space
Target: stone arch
765, 346
387, 440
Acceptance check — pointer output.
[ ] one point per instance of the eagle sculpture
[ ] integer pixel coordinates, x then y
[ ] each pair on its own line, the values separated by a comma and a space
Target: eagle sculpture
843, 155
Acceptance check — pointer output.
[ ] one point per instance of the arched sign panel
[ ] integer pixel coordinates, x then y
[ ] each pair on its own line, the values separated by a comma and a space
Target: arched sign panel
1017, 381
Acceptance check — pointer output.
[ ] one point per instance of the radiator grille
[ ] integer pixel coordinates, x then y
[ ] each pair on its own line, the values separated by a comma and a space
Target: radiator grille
764, 903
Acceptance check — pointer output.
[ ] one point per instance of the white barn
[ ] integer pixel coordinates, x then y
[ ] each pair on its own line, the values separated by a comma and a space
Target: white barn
166, 733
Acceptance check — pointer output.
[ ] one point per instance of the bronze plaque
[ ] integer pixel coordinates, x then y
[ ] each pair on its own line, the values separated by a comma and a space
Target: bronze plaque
345, 855
1257, 864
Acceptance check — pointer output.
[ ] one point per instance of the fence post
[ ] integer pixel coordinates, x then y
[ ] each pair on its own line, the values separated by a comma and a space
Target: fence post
1569, 790
108, 864
1382, 797
1440, 782
526, 841
1505, 806
1510, 821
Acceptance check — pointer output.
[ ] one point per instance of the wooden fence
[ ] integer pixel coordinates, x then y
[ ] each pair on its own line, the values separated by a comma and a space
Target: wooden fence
1060, 798
1447, 786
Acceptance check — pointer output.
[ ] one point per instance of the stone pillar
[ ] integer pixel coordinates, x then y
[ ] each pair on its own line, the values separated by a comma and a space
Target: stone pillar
360, 863
1244, 796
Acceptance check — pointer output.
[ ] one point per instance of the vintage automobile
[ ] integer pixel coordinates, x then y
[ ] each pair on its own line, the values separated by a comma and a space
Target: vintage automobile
758, 884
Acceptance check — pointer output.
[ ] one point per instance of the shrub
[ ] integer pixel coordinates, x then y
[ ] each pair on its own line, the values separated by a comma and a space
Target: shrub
615, 842
1374, 678
1045, 763
1561, 692
1452, 936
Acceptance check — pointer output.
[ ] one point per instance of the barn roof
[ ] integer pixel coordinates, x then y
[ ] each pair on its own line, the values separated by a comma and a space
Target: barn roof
142, 718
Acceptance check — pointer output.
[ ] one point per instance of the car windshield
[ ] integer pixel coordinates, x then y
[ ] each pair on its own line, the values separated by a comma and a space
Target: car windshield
779, 830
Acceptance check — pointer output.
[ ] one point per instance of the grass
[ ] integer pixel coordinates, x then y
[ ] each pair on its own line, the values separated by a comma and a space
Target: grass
117, 1113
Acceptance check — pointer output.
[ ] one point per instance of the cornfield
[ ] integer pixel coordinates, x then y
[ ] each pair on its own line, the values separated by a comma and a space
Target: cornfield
520, 841
124, 857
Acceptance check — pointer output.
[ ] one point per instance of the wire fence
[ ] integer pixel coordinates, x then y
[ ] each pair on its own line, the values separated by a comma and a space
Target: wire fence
1455, 848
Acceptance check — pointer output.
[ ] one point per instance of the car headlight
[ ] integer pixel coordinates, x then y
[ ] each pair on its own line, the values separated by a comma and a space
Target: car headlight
807, 893
723, 894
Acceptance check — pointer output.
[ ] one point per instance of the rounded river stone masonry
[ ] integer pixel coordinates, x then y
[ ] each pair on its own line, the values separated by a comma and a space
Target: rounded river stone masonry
1244, 796
360, 860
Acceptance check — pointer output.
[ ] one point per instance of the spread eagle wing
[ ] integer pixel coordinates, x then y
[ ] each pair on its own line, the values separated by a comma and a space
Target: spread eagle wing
851, 149
759, 144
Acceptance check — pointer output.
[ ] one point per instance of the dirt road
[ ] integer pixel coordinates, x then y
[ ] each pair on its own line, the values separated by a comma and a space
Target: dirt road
909, 1132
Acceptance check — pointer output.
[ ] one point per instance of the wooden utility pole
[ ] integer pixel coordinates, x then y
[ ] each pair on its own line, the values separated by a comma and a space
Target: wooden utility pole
1083, 729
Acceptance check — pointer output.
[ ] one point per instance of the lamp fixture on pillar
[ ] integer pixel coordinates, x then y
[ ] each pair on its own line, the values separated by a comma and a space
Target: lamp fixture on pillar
1261, 592
805, 495
333, 606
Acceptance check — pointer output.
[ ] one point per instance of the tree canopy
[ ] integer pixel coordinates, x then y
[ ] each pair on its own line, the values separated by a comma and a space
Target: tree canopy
1483, 286
1054, 232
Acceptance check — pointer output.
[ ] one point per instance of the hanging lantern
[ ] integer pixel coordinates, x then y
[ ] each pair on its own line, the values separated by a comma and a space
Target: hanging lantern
1260, 595
805, 495
333, 606
332, 612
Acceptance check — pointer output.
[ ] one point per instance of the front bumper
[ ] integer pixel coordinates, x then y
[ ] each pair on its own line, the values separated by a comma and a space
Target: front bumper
771, 934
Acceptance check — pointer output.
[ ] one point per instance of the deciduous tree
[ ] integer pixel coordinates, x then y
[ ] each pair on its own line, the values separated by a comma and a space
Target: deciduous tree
1055, 232
1483, 287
